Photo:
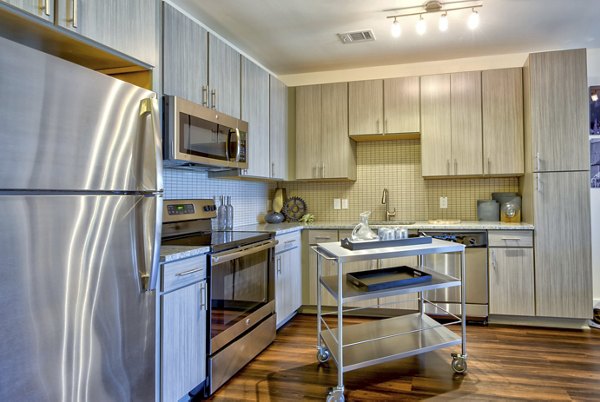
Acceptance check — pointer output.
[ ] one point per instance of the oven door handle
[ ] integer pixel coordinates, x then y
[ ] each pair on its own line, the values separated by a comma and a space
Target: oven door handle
234, 254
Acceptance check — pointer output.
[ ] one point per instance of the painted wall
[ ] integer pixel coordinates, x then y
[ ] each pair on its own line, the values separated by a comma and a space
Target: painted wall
593, 60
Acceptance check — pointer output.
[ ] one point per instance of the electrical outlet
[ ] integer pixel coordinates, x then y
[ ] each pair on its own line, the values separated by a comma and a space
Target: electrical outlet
443, 202
344, 203
337, 204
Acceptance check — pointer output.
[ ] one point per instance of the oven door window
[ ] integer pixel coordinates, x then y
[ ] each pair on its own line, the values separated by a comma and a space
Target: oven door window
239, 287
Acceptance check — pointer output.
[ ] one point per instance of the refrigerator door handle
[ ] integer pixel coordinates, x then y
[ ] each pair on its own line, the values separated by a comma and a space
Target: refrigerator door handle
149, 107
148, 228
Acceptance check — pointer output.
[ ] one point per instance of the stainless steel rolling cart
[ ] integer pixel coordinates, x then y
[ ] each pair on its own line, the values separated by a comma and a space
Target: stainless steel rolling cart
361, 345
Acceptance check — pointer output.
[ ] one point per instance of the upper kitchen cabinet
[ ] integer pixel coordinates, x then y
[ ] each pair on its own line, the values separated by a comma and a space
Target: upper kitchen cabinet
451, 124
556, 109
384, 107
323, 149
278, 133
255, 110
224, 65
502, 102
42, 9
185, 49
126, 26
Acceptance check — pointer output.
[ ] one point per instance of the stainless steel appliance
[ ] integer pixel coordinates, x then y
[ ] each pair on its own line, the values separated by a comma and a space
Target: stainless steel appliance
80, 212
476, 280
241, 273
197, 135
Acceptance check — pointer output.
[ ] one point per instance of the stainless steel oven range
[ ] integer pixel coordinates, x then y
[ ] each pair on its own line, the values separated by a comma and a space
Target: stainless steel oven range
241, 319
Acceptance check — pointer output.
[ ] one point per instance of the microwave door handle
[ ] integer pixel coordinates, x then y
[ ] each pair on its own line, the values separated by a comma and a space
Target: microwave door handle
238, 149
232, 255
227, 144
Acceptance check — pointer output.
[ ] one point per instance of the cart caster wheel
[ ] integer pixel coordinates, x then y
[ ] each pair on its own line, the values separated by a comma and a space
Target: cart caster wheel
335, 395
323, 355
459, 363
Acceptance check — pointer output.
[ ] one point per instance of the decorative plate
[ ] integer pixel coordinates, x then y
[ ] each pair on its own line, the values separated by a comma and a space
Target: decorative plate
294, 208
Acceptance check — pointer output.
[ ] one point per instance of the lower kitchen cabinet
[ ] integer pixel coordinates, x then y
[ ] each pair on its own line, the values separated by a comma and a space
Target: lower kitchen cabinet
288, 277
183, 309
511, 284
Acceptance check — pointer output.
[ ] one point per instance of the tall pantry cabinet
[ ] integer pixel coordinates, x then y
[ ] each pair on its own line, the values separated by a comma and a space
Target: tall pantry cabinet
555, 187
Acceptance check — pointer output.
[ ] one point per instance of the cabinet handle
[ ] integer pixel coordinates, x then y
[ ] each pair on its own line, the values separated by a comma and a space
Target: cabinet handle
47, 7
191, 271
494, 265
289, 241
213, 99
455, 167
204, 95
377, 126
385, 127
203, 301
510, 238
272, 169
323, 170
489, 166
75, 7
322, 237
448, 167
538, 183
537, 162
279, 265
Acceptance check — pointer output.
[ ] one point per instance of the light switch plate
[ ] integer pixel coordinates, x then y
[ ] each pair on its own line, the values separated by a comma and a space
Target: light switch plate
337, 204
443, 202
344, 203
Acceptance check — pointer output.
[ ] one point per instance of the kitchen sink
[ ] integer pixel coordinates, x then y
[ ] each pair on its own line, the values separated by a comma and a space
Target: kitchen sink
392, 223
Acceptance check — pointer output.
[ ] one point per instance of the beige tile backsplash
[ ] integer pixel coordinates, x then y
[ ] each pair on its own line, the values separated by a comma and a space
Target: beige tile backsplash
396, 165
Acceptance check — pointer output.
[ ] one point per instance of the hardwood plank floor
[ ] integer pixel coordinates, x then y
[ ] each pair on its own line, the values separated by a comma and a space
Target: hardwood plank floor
505, 363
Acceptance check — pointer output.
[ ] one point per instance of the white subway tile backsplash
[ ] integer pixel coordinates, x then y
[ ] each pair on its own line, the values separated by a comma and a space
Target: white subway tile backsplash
247, 197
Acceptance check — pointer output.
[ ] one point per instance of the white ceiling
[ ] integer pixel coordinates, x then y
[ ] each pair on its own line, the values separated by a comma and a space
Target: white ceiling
299, 36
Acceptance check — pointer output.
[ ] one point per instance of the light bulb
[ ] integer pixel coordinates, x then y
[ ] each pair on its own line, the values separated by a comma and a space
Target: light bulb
473, 21
443, 24
421, 26
396, 29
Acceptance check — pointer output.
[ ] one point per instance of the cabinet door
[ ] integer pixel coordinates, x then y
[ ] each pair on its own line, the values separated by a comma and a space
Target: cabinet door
278, 133
185, 49
40, 8
436, 134
183, 341
337, 152
288, 295
365, 101
502, 103
465, 90
511, 285
308, 132
127, 26
319, 236
401, 105
559, 110
255, 110
224, 77
563, 273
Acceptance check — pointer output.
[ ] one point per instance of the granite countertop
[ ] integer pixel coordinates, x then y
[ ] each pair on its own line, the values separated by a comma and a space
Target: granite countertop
173, 253
288, 227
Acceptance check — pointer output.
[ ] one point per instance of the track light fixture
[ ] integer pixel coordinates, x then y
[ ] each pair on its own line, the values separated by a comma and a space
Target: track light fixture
435, 6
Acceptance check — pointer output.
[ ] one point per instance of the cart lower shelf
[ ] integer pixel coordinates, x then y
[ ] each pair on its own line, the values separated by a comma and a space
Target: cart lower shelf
389, 339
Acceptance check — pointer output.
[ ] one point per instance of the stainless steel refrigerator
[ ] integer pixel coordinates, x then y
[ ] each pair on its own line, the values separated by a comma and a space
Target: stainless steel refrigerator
80, 219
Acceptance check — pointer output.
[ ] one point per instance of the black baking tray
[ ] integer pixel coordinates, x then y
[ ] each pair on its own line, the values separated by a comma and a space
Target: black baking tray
364, 245
386, 278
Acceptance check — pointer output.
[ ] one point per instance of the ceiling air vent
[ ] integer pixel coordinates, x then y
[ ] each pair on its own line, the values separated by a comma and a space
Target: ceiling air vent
357, 36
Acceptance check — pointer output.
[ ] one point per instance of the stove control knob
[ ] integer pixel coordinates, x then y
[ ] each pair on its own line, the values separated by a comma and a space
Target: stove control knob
247, 322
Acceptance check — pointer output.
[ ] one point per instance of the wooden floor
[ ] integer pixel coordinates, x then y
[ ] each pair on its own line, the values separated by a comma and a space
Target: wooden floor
508, 363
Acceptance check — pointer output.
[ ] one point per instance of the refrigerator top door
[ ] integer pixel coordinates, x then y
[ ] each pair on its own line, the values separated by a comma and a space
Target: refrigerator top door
65, 127
76, 326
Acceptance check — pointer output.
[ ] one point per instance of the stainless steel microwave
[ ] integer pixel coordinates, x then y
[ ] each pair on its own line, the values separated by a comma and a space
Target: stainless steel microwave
198, 136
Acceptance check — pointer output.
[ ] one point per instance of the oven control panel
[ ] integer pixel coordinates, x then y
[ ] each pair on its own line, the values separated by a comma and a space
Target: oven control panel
185, 210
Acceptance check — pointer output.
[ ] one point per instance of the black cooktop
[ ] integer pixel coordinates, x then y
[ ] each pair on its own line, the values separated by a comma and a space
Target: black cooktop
218, 240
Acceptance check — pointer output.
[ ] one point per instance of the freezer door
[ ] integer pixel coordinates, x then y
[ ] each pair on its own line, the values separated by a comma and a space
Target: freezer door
75, 324
65, 127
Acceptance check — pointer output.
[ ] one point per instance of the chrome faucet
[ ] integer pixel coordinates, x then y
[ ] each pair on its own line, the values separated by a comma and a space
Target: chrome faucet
386, 202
